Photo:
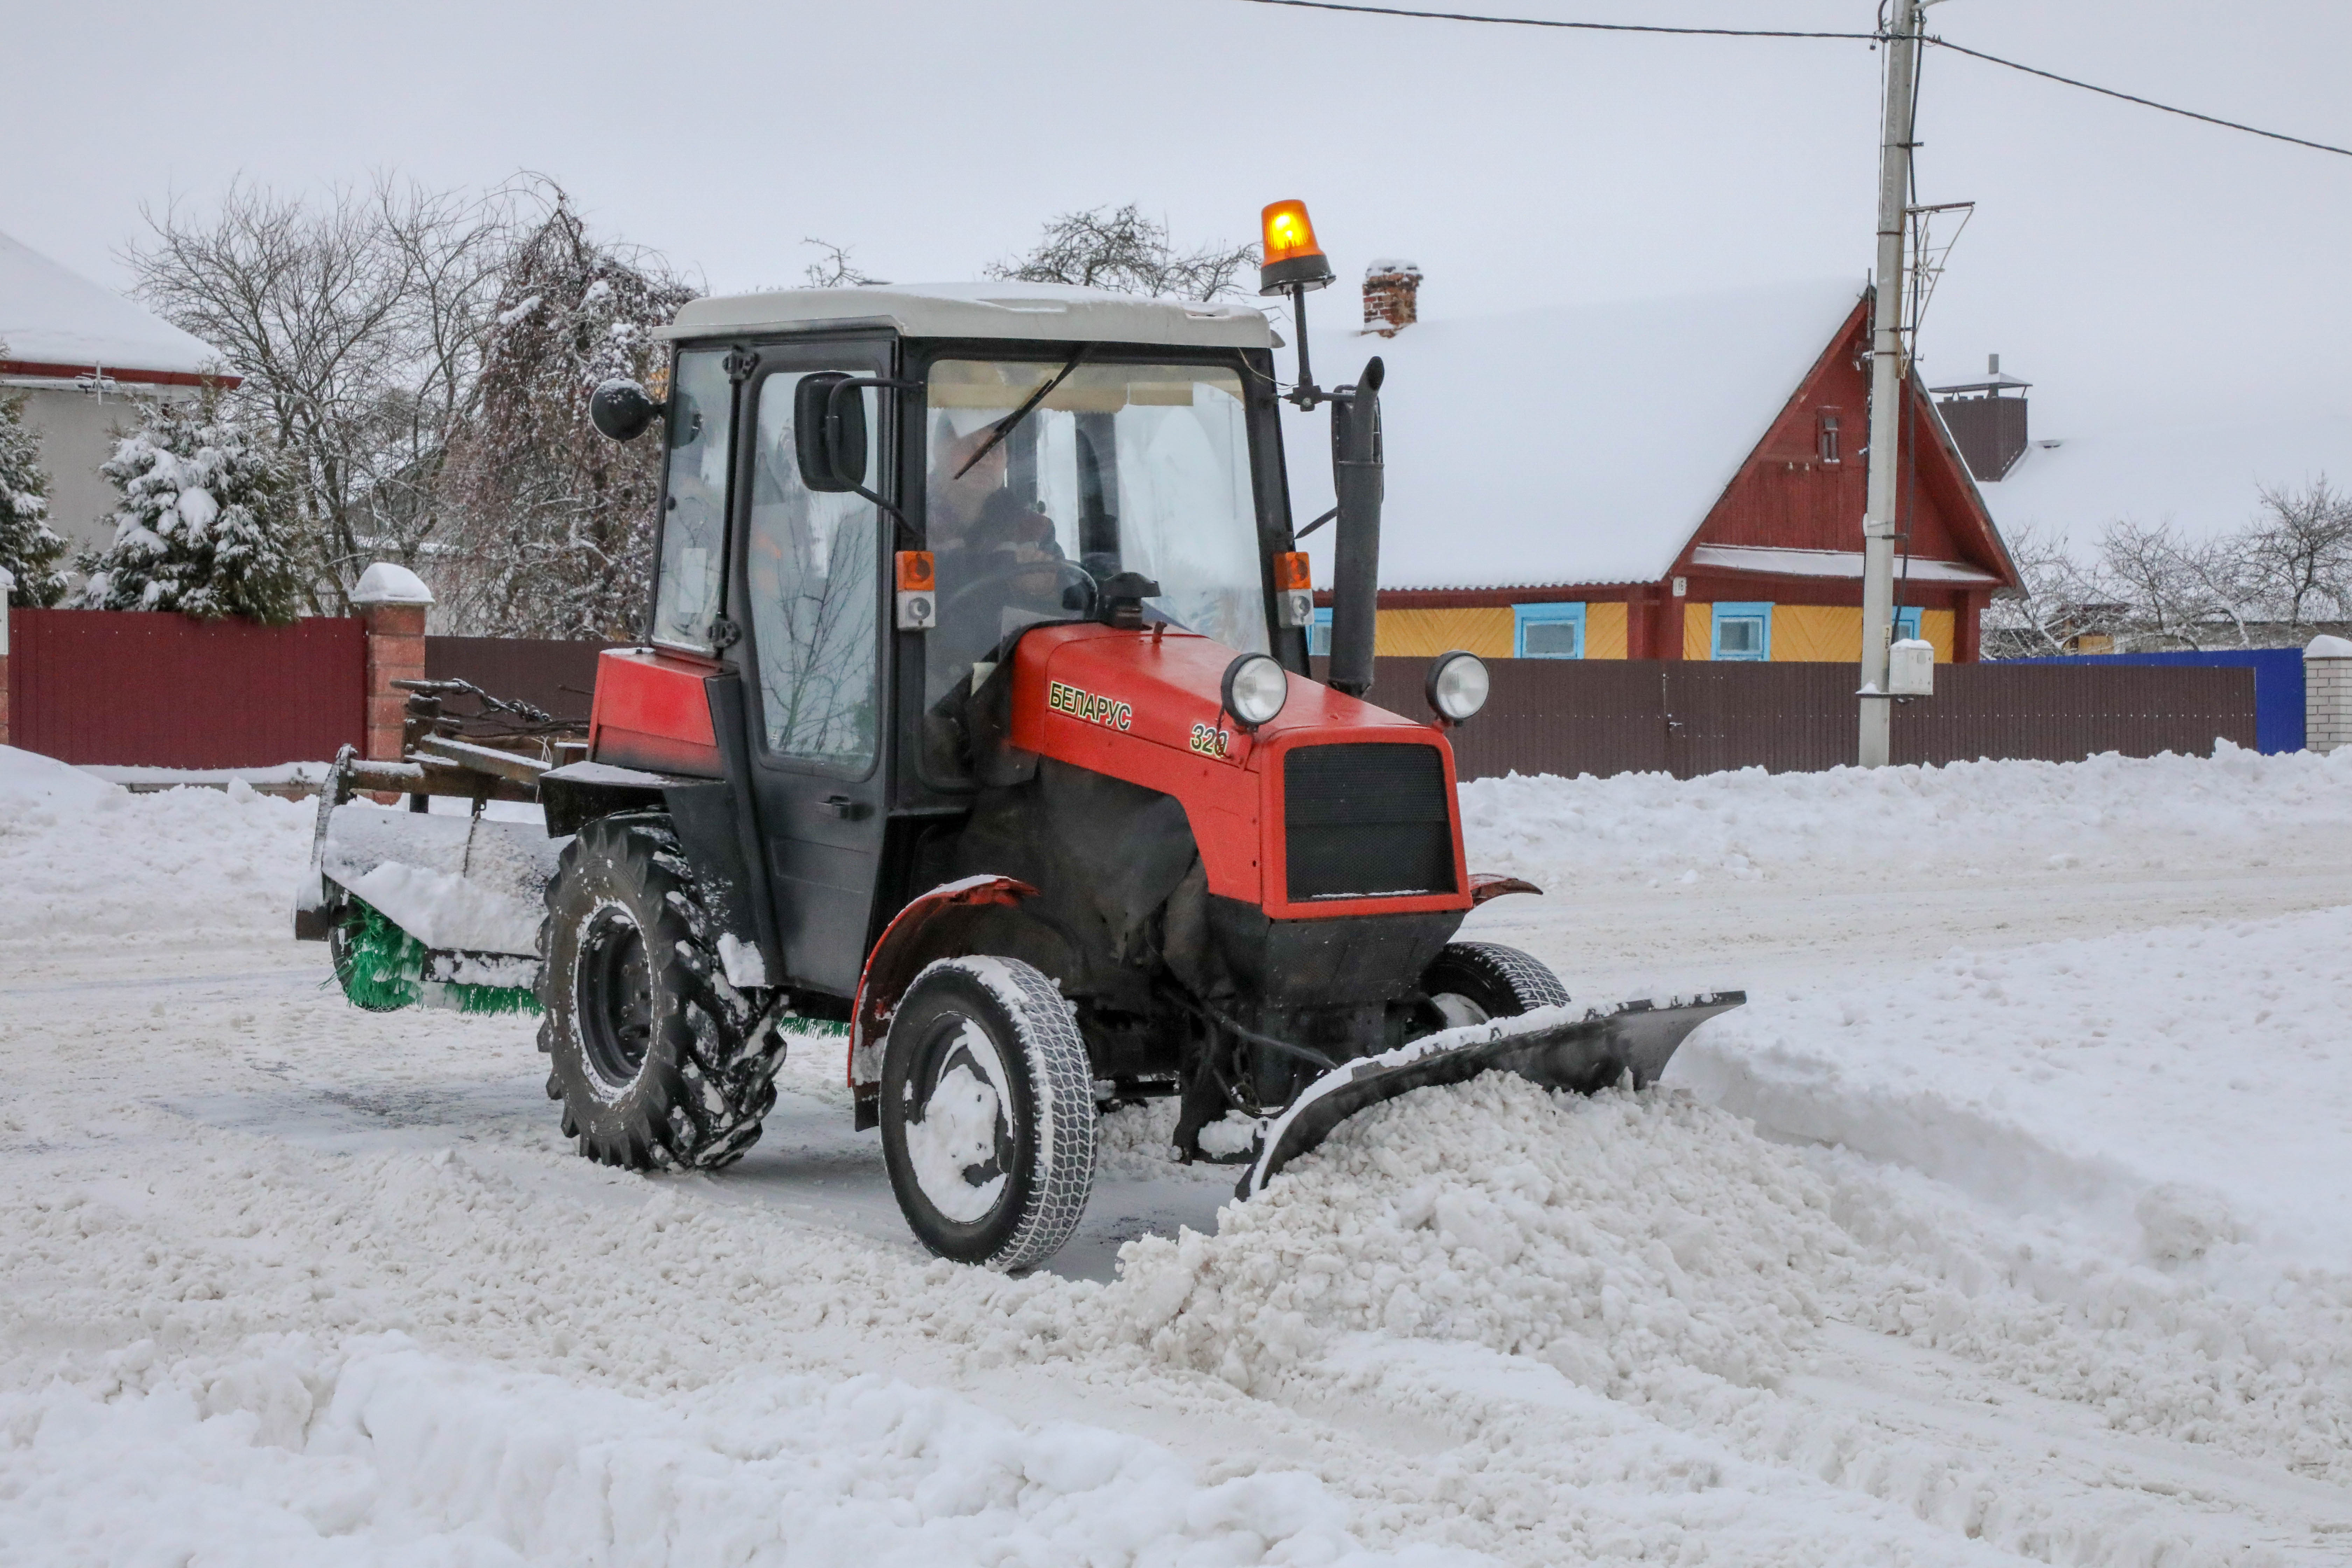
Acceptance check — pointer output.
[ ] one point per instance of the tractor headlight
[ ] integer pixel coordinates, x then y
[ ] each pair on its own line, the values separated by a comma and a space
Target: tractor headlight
1457, 684
1256, 689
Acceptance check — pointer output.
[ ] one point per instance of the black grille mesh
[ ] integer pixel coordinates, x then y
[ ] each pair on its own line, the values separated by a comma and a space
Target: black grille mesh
1365, 819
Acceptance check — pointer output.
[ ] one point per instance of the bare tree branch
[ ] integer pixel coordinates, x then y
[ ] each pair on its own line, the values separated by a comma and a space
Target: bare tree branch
1122, 250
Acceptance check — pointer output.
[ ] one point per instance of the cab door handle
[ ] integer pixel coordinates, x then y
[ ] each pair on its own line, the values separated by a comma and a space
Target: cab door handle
841, 805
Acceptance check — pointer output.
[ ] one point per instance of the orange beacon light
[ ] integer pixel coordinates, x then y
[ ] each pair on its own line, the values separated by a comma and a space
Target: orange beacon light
1293, 259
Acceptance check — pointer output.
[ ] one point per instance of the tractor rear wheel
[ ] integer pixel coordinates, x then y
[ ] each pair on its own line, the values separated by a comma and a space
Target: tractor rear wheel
659, 1060
988, 1112
1471, 982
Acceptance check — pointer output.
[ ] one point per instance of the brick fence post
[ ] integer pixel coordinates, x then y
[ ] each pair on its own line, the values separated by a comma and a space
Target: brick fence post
2328, 694
392, 601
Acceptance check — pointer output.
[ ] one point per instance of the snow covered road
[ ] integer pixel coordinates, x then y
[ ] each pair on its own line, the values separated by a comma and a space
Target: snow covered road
2039, 1250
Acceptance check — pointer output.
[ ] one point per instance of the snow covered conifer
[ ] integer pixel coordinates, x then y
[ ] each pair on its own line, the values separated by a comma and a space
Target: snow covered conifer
206, 523
29, 548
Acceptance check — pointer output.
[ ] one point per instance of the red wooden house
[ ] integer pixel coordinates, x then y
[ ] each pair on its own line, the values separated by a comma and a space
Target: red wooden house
1666, 478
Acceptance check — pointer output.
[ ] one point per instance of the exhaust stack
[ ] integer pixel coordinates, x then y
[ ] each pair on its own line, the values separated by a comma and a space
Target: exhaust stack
1356, 481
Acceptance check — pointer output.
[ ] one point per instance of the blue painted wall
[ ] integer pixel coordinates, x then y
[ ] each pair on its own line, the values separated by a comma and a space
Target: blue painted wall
2278, 685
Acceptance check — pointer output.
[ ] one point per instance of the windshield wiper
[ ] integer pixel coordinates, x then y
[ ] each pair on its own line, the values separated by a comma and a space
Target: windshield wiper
1004, 426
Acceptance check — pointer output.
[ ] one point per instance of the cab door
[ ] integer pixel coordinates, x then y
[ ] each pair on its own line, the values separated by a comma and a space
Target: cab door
808, 598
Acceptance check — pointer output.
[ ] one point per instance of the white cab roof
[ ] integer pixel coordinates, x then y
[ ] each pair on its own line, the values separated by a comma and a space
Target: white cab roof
997, 309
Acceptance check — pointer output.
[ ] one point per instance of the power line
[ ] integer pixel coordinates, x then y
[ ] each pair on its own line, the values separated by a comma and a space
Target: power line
1577, 26
1791, 33
2131, 97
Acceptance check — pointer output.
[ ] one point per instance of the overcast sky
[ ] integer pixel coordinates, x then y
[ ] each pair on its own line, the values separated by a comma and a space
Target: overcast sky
2134, 265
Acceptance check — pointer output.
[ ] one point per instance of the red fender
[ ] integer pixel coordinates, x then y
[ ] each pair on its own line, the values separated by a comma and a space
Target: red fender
1484, 885
900, 955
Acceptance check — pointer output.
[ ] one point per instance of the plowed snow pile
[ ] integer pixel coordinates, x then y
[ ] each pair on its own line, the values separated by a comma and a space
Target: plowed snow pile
2036, 1255
82, 858
2146, 812
1624, 1240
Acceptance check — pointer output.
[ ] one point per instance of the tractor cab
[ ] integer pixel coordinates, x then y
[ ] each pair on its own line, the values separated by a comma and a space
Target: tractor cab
985, 459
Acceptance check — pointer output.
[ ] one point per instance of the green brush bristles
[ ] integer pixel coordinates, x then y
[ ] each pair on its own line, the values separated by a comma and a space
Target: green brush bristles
385, 965
489, 1000
386, 971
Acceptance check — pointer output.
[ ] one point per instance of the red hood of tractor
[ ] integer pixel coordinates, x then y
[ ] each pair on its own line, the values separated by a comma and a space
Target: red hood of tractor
1147, 708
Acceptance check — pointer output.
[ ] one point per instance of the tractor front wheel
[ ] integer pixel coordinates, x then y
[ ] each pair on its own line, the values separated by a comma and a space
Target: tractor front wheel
988, 1112
659, 1060
1471, 982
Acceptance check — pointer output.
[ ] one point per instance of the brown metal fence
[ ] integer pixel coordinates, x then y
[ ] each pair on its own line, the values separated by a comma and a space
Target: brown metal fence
558, 677
149, 689
161, 690
1614, 715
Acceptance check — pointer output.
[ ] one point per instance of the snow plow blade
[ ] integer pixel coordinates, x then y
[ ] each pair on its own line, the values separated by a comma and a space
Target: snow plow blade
1558, 1047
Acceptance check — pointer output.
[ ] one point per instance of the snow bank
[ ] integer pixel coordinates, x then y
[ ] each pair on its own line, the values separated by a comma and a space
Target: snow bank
1963, 818
397, 1455
81, 858
2082, 1075
1660, 1252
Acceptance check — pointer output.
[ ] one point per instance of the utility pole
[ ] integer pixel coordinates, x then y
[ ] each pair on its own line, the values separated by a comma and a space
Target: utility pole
1888, 376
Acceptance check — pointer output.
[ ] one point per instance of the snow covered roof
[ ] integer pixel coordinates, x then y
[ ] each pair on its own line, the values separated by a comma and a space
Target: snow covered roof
1772, 562
989, 310
53, 317
2202, 479
1569, 444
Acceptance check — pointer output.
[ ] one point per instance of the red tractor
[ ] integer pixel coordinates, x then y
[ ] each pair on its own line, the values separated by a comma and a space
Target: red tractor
975, 713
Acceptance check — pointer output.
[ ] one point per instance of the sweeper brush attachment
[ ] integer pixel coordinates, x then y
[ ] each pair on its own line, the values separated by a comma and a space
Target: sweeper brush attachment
383, 969
1554, 1047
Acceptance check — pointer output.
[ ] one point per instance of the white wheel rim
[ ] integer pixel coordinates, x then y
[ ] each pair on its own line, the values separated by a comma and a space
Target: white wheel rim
1458, 1010
951, 1149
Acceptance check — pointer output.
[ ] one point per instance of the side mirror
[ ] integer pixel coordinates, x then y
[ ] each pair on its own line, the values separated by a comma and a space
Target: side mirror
621, 410
829, 432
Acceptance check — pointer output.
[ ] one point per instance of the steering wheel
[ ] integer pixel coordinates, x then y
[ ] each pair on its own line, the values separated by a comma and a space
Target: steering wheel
1062, 565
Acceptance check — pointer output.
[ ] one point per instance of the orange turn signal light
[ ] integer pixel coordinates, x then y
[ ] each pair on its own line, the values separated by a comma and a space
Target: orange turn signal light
1292, 259
1290, 572
915, 575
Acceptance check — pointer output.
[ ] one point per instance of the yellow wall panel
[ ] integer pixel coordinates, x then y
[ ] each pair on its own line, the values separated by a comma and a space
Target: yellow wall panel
1424, 634
1604, 631
1816, 633
1698, 630
1935, 626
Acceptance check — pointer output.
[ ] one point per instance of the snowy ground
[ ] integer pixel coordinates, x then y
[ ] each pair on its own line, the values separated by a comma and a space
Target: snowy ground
2011, 1221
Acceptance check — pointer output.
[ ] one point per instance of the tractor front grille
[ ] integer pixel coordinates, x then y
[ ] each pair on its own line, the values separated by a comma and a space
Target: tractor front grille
1365, 819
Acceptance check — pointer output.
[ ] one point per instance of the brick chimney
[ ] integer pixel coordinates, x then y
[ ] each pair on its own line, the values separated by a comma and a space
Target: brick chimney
1391, 297
1986, 419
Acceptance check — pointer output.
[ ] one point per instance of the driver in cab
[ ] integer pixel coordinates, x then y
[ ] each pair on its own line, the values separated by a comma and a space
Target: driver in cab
999, 565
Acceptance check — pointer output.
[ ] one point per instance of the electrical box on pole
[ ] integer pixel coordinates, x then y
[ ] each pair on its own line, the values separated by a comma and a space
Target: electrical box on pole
1888, 374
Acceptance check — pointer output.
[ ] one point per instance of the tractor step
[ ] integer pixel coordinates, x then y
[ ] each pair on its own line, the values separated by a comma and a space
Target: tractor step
1558, 1047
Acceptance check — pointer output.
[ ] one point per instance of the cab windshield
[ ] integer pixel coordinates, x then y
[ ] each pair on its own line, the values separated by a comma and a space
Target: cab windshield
1119, 468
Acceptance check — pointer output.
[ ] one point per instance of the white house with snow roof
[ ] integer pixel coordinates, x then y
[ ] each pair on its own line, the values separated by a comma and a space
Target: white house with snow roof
79, 352
1677, 478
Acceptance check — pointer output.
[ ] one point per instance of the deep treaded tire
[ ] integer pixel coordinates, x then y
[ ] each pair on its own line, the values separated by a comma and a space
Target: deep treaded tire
988, 1112
659, 1060
1498, 981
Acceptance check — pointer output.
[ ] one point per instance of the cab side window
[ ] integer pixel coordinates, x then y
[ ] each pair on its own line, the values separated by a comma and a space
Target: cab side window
812, 567
688, 592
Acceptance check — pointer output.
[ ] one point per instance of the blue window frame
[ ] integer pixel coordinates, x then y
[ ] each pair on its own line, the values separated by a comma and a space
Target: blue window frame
1907, 623
1742, 632
1548, 631
1318, 636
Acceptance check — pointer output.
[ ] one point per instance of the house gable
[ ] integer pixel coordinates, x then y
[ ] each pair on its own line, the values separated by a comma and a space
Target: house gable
1804, 488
